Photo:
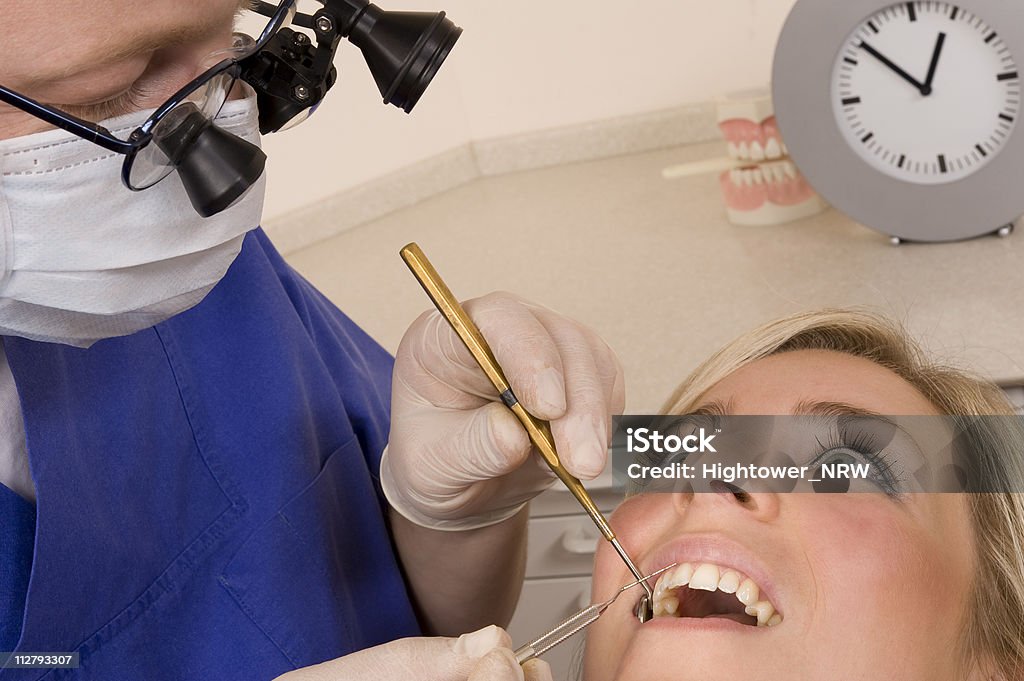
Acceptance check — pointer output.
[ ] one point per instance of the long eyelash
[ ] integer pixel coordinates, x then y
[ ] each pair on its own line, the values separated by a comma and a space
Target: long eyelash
864, 444
132, 99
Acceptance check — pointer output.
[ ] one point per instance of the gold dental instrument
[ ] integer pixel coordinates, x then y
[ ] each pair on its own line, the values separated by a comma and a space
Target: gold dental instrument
538, 430
574, 624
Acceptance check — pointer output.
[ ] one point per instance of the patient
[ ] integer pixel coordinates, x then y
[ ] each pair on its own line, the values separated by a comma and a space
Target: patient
844, 586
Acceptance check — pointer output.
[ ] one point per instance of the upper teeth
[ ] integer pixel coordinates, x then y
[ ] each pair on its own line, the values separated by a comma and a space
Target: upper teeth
711, 577
772, 148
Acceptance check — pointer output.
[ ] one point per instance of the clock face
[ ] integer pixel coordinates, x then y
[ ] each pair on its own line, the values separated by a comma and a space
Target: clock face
926, 92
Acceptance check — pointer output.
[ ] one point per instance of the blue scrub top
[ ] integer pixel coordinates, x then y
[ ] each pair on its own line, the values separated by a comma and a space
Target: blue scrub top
208, 504
17, 532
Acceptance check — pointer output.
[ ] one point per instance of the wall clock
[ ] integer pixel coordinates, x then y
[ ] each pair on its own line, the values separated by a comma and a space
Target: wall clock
905, 116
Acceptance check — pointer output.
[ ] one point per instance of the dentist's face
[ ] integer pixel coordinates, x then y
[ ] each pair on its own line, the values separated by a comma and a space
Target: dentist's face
857, 587
89, 57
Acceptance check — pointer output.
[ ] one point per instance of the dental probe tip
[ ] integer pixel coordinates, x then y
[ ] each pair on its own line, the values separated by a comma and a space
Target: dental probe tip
648, 577
632, 568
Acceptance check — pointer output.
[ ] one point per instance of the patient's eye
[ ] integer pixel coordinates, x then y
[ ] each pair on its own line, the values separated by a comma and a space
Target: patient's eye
852, 461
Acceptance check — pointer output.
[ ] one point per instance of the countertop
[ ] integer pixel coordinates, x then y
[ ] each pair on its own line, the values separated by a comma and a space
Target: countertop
654, 266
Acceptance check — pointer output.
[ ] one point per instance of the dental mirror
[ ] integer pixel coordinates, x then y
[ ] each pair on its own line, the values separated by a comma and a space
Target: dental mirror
644, 609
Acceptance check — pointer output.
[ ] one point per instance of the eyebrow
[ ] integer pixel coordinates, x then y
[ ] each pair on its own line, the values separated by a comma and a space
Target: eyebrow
151, 42
713, 408
145, 41
803, 408
812, 408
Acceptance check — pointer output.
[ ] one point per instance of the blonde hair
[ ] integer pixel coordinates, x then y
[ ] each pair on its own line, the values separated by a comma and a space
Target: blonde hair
994, 634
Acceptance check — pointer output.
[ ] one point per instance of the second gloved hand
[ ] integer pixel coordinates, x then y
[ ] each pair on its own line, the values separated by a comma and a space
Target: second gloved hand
458, 458
483, 655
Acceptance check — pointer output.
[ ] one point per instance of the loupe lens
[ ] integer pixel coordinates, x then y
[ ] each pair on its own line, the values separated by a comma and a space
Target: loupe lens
154, 162
298, 118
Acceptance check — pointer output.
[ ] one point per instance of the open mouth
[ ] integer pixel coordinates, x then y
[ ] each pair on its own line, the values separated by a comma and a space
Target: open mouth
706, 590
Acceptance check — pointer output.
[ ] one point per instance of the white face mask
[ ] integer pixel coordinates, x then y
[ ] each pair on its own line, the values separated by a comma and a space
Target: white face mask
83, 258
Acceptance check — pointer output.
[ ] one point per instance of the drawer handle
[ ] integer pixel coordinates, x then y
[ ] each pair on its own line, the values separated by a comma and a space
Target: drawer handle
576, 542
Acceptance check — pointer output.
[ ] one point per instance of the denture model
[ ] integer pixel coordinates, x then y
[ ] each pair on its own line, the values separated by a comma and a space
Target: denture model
766, 188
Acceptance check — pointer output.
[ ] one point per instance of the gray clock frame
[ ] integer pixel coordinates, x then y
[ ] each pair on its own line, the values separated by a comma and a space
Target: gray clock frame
981, 203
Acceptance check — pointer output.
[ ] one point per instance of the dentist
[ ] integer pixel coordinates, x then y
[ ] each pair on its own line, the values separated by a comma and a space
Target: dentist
193, 482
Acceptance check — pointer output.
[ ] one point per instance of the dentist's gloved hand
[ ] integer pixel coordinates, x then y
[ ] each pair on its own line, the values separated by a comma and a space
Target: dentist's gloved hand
458, 458
483, 655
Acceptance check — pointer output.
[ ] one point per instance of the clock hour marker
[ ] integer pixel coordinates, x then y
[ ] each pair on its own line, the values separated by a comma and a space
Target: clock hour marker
872, 26
981, 150
867, 137
1008, 119
942, 163
911, 12
1009, 75
953, 15
903, 160
851, 61
850, 101
991, 37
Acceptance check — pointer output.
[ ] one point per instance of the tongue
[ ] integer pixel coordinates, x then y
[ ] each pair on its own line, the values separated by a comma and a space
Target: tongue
742, 619
700, 604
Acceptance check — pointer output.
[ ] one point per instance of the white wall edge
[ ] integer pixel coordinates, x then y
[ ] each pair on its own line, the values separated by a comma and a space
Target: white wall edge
350, 208
588, 141
597, 139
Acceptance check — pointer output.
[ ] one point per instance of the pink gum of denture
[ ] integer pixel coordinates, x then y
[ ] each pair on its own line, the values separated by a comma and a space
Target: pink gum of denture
788, 192
738, 130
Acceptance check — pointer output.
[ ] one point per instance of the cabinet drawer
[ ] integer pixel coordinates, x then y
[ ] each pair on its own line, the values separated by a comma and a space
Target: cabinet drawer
561, 546
543, 604
559, 501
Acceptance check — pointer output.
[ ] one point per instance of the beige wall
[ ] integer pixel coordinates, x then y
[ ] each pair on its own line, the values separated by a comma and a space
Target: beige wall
520, 67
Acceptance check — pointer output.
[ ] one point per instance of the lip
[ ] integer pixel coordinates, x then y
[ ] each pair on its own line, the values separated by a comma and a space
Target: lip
692, 624
722, 551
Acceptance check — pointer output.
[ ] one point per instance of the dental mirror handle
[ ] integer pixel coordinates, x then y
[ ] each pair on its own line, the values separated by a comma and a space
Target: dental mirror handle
538, 430
576, 623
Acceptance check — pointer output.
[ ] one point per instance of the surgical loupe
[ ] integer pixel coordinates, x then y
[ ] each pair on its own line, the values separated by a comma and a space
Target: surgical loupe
290, 72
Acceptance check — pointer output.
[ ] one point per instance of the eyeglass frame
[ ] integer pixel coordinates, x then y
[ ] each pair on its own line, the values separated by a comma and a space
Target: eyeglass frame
280, 16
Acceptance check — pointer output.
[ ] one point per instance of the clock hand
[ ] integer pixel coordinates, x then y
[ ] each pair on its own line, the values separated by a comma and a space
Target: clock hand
926, 89
885, 60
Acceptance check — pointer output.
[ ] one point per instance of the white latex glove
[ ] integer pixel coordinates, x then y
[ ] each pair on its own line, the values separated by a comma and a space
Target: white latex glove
483, 655
458, 458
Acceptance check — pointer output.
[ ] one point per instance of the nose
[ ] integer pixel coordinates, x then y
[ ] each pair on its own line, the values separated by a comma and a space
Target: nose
727, 498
